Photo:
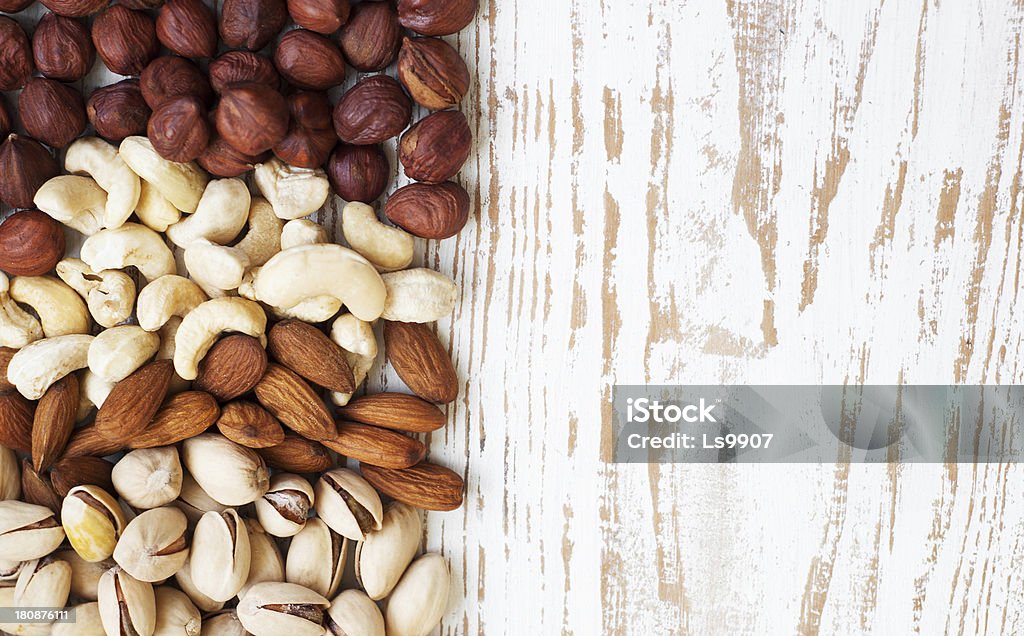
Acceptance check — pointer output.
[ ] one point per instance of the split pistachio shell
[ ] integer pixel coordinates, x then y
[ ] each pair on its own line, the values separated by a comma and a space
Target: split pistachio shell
194, 501
92, 521
27, 531
316, 558
9, 571
85, 575
381, 559
175, 614
153, 545
127, 605
265, 563
43, 583
148, 477
220, 555
418, 602
224, 624
348, 503
273, 609
282, 511
10, 474
87, 622
353, 613
184, 580
230, 473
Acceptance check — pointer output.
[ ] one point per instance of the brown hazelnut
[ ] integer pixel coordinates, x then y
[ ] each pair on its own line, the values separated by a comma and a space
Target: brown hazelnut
170, 76
125, 39
436, 17
14, 6
251, 24
178, 129
118, 111
252, 117
430, 211
25, 164
62, 48
236, 67
52, 112
75, 8
433, 72
371, 37
435, 148
322, 16
5, 119
31, 243
372, 111
311, 135
188, 28
15, 55
359, 173
309, 60
142, 5
222, 159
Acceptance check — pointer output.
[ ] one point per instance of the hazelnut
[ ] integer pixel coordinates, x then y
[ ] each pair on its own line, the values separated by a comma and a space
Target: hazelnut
16, 53
433, 72
178, 129
359, 173
142, 5
170, 76
75, 8
5, 119
236, 67
52, 112
125, 39
222, 159
436, 17
435, 148
251, 24
188, 28
322, 16
252, 117
371, 37
25, 164
309, 60
14, 6
372, 111
62, 48
430, 211
118, 111
311, 135
31, 243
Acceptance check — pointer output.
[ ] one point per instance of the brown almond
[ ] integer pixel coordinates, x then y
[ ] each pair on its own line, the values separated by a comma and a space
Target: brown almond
377, 446
292, 401
81, 471
427, 486
232, 367
16, 422
6, 353
250, 425
182, 416
54, 420
397, 411
134, 401
37, 489
309, 352
421, 361
297, 455
86, 441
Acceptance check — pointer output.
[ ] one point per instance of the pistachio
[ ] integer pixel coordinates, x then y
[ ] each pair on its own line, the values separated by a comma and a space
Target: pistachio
21, 629
282, 511
272, 609
184, 580
266, 563
175, 613
153, 545
223, 624
43, 583
194, 501
348, 503
353, 613
381, 559
10, 476
127, 605
87, 622
148, 477
27, 531
92, 521
9, 571
221, 555
85, 575
230, 473
418, 602
316, 558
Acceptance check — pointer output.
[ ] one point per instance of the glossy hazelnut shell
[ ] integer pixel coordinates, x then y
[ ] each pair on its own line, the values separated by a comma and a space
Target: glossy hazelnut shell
251, 24
310, 137
433, 73
179, 130
75, 8
118, 111
223, 160
237, 67
322, 16
31, 243
16, 63
62, 48
170, 76
309, 60
374, 110
52, 112
252, 117
436, 17
430, 211
359, 173
26, 164
188, 28
371, 37
435, 148
125, 39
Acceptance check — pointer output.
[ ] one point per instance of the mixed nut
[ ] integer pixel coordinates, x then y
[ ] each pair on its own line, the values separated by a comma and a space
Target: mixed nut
185, 443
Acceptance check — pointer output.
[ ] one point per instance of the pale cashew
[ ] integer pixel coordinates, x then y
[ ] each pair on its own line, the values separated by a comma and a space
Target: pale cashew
418, 295
93, 392
388, 248
167, 296
168, 336
110, 294
130, 244
101, 161
61, 311
180, 183
37, 366
117, 353
201, 327
77, 202
317, 309
302, 232
263, 239
308, 271
17, 328
214, 266
359, 345
294, 192
219, 216
154, 210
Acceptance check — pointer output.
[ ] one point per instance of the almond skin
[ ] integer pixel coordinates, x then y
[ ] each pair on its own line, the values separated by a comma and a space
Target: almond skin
16, 422
36, 489
292, 401
427, 486
87, 441
297, 455
309, 352
134, 401
6, 353
250, 425
376, 446
81, 471
232, 367
396, 411
182, 416
421, 361
54, 420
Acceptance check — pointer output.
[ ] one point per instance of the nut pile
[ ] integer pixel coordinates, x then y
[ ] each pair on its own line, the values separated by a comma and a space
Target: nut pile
185, 445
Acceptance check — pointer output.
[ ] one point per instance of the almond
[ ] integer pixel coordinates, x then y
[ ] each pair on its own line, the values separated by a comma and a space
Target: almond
54, 420
6, 353
16, 422
81, 471
397, 411
297, 455
250, 425
134, 401
294, 403
377, 446
309, 352
232, 367
421, 361
427, 486
182, 416
36, 488
87, 441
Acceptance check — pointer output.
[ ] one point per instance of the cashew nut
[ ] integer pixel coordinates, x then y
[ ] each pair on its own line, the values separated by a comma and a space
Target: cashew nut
61, 311
168, 335
77, 202
180, 183
93, 393
308, 271
219, 216
110, 294
312, 310
17, 328
359, 344
167, 296
388, 248
418, 295
294, 192
37, 366
263, 239
101, 161
215, 267
130, 244
117, 353
302, 232
201, 327
154, 210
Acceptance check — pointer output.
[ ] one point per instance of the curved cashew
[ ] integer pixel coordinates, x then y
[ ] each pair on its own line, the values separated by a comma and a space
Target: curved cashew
61, 311
93, 393
215, 266
219, 216
117, 353
180, 183
168, 336
130, 244
308, 271
101, 161
263, 239
312, 310
33, 369
110, 294
154, 210
359, 344
302, 232
294, 192
77, 202
418, 295
167, 296
17, 328
200, 328
388, 248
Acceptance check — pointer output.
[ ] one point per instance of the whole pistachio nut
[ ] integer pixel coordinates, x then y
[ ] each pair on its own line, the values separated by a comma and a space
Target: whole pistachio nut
418, 602
92, 521
148, 477
348, 503
265, 563
87, 622
153, 545
127, 605
230, 473
381, 559
316, 558
353, 613
184, 580
223, 624
220, 554
282, 511
27, 531
85, 575
273, 609
194, 501
10, 475
43, 583
175, 613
